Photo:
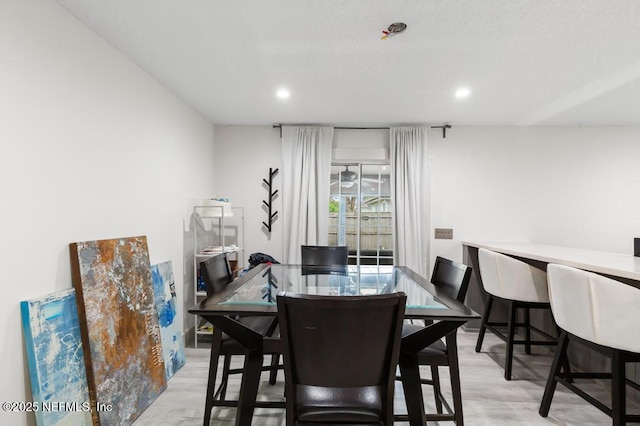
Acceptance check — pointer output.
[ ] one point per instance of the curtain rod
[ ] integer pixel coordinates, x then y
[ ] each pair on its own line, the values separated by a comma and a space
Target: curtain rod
444, 128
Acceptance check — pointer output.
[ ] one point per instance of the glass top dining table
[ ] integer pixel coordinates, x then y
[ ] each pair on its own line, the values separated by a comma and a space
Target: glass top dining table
254, 293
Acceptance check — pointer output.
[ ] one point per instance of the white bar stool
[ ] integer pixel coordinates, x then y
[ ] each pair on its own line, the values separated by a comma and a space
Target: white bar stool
603, 314
521, 286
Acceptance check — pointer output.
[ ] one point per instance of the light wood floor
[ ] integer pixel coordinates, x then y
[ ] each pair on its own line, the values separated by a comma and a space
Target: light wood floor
487, 398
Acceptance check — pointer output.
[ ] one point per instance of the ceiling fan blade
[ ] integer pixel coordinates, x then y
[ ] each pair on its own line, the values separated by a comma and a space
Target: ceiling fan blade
371, 180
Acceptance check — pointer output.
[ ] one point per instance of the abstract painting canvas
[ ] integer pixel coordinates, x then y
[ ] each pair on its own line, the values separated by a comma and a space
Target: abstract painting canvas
119, 327
164, 289
54, 355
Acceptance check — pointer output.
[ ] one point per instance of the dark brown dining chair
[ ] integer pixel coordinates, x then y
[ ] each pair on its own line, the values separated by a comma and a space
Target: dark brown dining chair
340, 357
324, 255
217, 275
319, 260
451, 279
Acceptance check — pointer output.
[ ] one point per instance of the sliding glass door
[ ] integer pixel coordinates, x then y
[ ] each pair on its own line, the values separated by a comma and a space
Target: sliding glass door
360, 212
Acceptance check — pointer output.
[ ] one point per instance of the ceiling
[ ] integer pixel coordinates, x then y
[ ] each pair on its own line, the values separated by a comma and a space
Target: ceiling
533, 62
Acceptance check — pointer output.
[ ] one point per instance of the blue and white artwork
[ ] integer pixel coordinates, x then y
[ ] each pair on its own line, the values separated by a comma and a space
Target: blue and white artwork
55, 358
165, 295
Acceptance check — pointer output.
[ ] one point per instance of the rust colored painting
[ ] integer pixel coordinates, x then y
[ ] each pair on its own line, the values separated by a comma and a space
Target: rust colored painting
119, 327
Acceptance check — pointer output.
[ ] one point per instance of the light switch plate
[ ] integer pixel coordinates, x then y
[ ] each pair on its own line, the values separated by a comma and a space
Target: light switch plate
443, 234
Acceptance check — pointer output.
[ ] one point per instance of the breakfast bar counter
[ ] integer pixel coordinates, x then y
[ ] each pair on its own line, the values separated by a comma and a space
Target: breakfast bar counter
618, 266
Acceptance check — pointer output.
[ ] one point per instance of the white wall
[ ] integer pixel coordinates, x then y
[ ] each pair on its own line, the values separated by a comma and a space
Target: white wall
575, 187
361, 145
92, 148
571, 186
244, 155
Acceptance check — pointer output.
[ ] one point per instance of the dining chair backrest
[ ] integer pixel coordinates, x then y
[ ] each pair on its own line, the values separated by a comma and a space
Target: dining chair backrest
595, 308
512, 279
216, 273
340, 342
324, 255
452, 278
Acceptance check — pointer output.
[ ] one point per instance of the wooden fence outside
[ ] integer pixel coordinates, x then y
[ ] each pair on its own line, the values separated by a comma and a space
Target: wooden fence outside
375, 230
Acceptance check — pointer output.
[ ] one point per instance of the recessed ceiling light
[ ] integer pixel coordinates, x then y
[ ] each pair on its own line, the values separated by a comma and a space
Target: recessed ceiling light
463, 92
283, 93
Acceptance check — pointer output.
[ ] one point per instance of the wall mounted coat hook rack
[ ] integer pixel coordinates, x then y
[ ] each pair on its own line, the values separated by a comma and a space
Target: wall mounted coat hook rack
271, 215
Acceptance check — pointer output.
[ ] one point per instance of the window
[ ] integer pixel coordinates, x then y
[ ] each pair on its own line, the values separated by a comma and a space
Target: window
360, 212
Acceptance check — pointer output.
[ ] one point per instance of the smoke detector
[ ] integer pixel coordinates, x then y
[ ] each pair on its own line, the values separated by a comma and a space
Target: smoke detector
393, 29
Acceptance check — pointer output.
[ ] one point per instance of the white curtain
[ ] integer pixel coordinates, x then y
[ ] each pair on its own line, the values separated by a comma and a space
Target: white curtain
306, 170
410, 197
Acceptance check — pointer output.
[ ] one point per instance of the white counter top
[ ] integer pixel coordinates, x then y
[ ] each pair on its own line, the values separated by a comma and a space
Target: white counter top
615, 264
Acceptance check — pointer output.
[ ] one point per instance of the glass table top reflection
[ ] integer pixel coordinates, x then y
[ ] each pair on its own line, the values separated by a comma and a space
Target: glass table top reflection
262, 288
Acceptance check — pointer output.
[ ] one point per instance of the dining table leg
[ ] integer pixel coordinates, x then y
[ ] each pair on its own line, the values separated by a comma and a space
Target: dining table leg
213, 370
410, 375
411, 345
253, 343
249, 387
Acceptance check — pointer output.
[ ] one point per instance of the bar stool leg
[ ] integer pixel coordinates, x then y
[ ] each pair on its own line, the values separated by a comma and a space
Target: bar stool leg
550, 388
527, 330
485, 320
511, 332
618, 394
566, 367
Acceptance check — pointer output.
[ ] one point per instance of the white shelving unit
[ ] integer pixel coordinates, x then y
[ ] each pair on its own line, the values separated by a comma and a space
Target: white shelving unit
214, 234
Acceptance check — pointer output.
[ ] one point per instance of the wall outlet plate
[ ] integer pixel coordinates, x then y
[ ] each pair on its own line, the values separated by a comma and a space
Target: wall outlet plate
443, 234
